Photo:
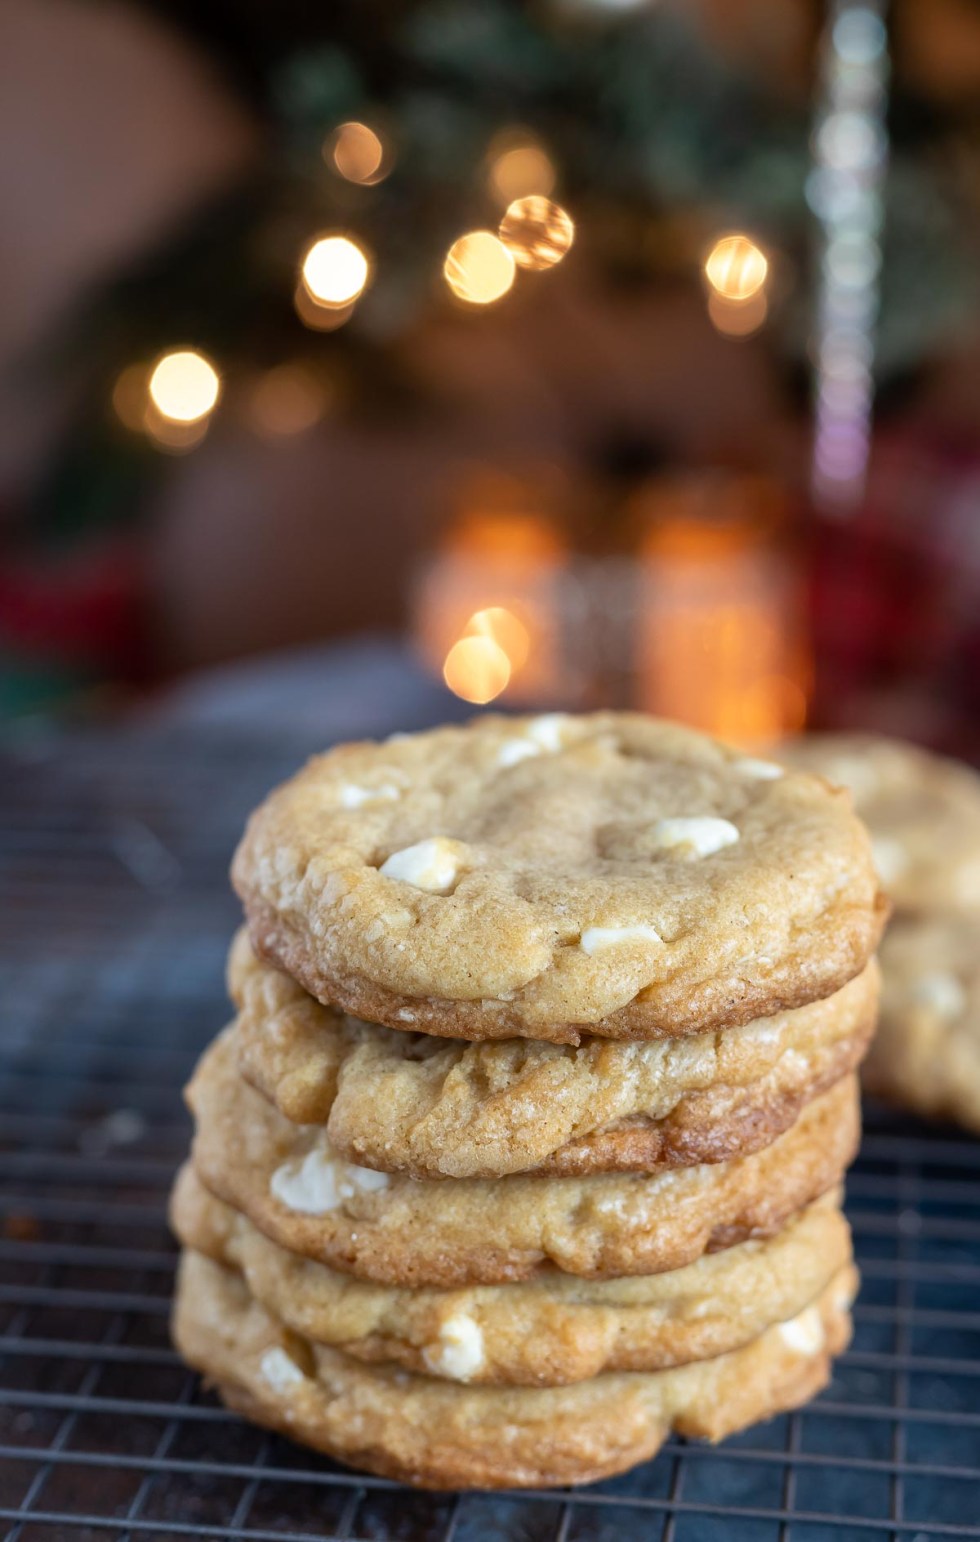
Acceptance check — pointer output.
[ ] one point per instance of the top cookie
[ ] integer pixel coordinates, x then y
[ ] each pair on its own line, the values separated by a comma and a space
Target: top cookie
547, 876
923, 812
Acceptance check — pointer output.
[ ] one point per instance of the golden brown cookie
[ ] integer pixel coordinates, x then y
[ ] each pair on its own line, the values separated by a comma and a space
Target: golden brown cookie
548, 1332
927, 1054
405, 1231
923, 812
415, 1103
436, 1435
544, 877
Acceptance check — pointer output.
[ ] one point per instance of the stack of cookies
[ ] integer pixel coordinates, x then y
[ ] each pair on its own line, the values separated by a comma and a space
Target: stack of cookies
923, 812
525, 1146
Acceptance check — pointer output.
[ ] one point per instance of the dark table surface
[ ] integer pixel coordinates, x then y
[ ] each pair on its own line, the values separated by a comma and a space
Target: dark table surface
116, 915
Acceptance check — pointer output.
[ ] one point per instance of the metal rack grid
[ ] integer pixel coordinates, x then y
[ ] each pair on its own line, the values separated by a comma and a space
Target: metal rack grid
116, 919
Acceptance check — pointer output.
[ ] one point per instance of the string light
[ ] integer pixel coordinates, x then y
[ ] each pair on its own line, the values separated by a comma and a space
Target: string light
736, 268
520, 170
536, 232
478, 268
335, 271
476, 669
184, 386
357, 152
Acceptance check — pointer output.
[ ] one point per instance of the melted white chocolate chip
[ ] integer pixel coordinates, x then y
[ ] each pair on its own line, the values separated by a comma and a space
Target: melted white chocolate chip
280, 1371
890, 858
352, 796
318, 1183
432, 865
761, 770
942, 993
595, 938
804, 1333
704, 834
515, 750
546, 730
459, 1350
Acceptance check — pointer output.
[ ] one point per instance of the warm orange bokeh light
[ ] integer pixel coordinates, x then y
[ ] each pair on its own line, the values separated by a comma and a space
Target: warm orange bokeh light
476, 669
736, 268
536, 232
738, 318
478, 268
521, 170
184, 386
335, 271
286, 400
358, 153
505, 629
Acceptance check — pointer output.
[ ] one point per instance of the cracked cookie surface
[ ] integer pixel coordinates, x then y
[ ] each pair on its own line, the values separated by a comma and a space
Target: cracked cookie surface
424, 1431
546, 877
548, 1332
424, 1105
400, 1230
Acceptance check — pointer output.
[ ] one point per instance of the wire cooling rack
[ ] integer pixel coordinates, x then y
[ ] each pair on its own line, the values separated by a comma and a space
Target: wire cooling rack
116, 917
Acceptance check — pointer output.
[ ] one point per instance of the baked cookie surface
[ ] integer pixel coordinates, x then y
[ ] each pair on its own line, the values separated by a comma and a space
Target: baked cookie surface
399, 1230
549, 1332
927, 1054
923, 811
543, 877
416, 1103
427, 1432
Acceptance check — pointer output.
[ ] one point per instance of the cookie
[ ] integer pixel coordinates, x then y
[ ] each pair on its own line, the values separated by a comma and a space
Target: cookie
548, 1332
404, 1231
415, 1103
927, 1055
437, 1435
923, 812
545, 877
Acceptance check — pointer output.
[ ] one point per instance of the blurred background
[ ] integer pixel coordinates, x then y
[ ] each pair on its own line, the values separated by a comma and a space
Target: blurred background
361, 362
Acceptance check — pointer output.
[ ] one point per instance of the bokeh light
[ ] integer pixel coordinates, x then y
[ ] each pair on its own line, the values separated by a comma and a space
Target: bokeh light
335, 271
285, 401
184, 386
738, 318
736, 268
519, 170
536, 232
478, 268
505, 629
476, 669
358, 153
129, 396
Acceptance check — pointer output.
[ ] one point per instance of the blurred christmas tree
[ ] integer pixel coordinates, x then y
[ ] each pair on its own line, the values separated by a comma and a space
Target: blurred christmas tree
451, 152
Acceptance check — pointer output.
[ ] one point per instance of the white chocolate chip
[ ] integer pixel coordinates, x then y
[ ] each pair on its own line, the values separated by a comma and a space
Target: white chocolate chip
352, 796
547, 730
804, 1333
890, 857
704, 834
843, 1297
761, 770
595, 938
317, 1183
280, 1370
942, 993
432, 865
459, 1350
515, 750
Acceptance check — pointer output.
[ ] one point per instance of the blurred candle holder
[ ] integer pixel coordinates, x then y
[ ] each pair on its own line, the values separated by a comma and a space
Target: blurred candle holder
721, 636
494, 604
